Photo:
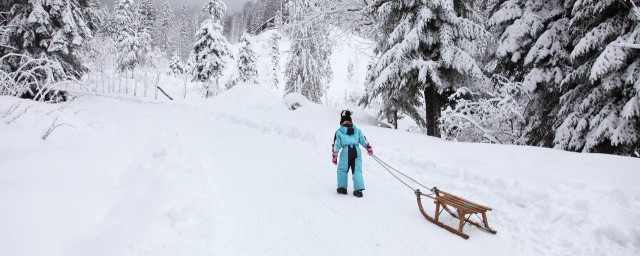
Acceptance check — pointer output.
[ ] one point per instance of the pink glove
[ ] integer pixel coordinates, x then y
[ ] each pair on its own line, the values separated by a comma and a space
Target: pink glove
334, 160
369, 149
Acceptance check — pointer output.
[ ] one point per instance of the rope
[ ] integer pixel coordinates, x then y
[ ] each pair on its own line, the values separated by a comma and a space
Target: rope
389, 169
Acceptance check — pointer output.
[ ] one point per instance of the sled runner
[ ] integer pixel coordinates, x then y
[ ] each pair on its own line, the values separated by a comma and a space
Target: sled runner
462, 207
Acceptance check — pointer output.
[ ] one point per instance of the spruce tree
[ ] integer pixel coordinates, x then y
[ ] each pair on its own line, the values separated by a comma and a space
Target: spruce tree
176, 67
55, 30
147, 14
600, 103
308, 68
532, 48
210, 48
130, 39
166, 26
275, 57
423, 47
247, 61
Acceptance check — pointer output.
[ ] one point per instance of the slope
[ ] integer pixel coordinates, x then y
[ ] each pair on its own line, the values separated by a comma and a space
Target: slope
242, 175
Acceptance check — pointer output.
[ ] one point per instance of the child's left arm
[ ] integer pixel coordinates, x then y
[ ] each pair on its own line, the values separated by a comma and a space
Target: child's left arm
365, 143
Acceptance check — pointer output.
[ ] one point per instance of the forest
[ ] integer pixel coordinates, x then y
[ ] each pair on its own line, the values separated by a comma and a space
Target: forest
559, 74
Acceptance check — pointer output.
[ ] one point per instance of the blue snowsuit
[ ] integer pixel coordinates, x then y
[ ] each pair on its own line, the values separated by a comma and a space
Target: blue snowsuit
350, 157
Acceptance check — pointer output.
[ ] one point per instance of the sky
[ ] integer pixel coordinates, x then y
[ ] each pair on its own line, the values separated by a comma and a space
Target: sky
233, 6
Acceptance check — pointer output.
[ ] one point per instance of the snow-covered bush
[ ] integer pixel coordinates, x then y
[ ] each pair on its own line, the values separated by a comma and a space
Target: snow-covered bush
38, 79
493, 114
176, 67
295, 101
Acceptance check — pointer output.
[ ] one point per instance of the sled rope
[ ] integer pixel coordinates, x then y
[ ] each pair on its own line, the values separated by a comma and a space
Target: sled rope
389, 169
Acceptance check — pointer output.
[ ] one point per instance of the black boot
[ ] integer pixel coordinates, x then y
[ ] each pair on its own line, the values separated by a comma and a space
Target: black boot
342, 191
358, 193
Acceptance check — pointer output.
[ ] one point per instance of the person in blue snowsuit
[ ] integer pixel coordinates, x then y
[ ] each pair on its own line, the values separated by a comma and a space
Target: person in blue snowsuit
346, 144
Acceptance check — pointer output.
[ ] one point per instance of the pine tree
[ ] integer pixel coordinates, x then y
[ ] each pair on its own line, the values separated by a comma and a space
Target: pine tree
423, 48
54, 29
247, 61
308, 69
166, 40
130, 39
275, 57
532, 48
147, 14
175, 66
600, 105
211, 47
184, 34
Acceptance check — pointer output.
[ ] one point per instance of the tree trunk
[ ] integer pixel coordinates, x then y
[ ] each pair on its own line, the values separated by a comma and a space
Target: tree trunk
146, 84
102, 80
395, 119
157, 82
185, 86
135, 82
432, 107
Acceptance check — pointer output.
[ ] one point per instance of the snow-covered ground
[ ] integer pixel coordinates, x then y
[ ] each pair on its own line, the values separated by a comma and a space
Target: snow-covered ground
240, 174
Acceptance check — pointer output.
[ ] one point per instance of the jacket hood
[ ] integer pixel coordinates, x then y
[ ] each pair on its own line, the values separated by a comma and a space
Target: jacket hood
344, 129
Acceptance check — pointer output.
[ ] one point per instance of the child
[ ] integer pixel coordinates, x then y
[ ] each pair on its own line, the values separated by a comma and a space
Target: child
347, 139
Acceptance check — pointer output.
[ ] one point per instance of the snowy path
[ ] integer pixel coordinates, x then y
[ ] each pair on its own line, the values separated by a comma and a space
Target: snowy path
224, 178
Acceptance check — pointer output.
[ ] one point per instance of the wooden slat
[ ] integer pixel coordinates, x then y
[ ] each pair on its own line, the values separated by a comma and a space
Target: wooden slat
476, 204
458, 205
462, 202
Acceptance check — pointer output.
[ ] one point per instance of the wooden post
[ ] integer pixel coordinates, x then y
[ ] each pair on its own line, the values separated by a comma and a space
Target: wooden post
146, 85
437, 211
135, 82
157, 81
461, 214
484, 220
185, 85
119, 82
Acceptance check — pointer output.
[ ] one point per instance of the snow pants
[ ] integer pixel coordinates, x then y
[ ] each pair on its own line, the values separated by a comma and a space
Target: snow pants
350, 159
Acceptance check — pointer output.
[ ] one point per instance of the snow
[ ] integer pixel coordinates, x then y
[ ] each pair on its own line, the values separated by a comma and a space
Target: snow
240, 174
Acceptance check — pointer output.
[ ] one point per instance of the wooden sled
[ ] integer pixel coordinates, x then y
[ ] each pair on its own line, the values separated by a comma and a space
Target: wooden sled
462, 208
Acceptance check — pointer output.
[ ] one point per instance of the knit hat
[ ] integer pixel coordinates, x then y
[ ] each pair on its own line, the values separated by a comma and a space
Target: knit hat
345, 116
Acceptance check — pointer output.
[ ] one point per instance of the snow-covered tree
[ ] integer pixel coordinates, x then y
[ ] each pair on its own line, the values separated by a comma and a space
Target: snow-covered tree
165, 28
308, 68
248, 71
274, 41
600, 105
176, 67
127, 41
532, 47
147, 14
259, 14
423, 47
184, 34
210, 48
350, 71
55, 30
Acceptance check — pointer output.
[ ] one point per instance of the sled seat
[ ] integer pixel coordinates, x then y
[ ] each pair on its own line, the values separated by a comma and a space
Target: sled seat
461, 209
